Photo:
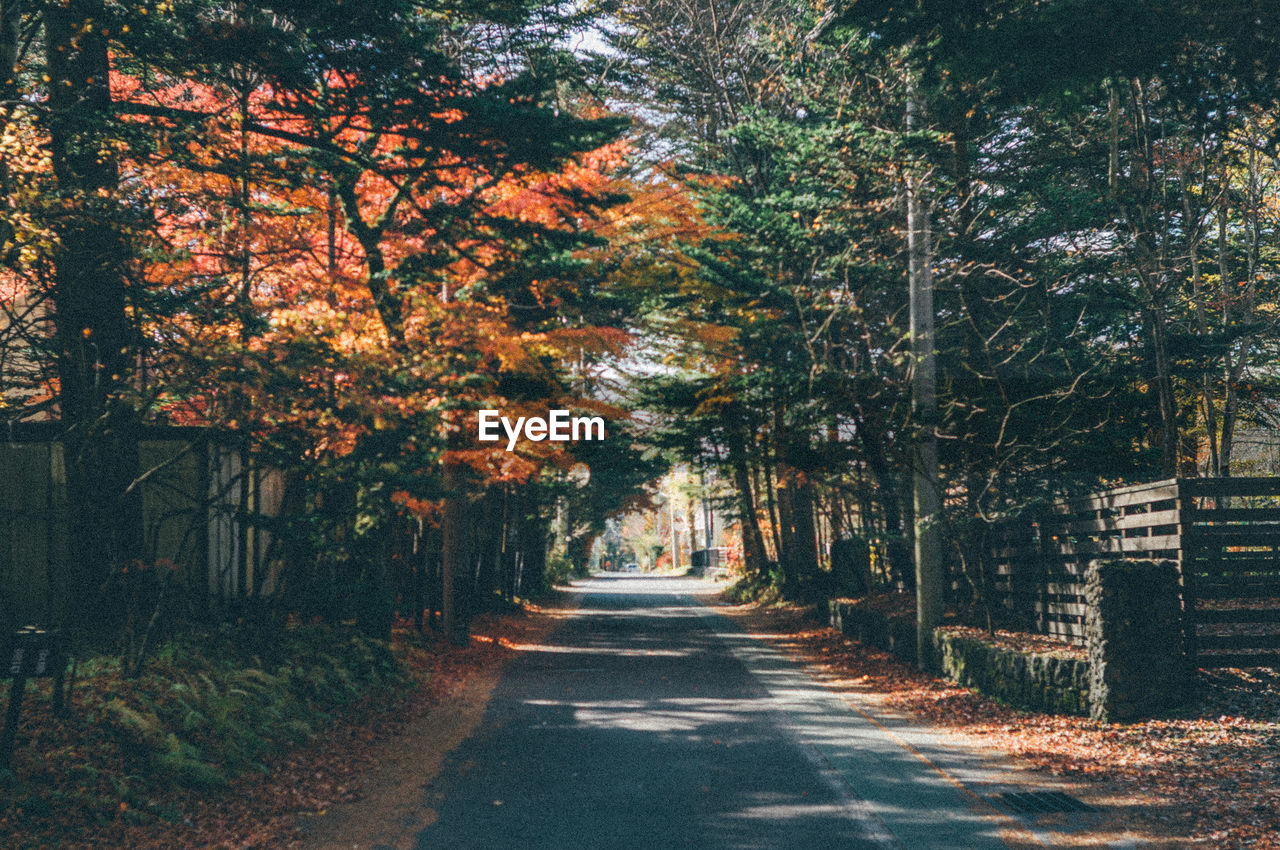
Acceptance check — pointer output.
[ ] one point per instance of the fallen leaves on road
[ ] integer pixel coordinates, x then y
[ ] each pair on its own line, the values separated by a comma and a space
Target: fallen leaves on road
1210, 772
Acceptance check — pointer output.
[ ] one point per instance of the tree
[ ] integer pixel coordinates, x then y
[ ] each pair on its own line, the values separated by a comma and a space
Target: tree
322, 225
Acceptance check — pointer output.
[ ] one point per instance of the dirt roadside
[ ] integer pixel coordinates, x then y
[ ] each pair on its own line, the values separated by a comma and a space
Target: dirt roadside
388, 806
366, 768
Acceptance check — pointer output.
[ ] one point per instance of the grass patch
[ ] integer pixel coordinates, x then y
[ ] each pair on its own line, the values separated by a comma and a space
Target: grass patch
762, 587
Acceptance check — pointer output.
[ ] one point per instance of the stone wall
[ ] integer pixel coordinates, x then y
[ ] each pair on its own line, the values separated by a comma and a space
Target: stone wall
1052, 682
1134, 668
1133, 625
896, 635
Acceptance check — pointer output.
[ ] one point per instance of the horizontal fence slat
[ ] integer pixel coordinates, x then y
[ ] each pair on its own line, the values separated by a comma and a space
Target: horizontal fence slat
1233, 535
1209, 487
1237, 589
1168, 516
1238, 641
1122, 498
1208, 555
1251, 556
1133, 522
1235, 566
1072, 615
1237, 659
1232, 562
1250, 515
1228, 573
1058, 576
1009, 554
1236, 615
1032, 603
1119, 545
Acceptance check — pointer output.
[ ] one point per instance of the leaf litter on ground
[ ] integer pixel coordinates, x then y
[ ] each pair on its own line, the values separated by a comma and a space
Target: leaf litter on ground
259, 808
1207, 774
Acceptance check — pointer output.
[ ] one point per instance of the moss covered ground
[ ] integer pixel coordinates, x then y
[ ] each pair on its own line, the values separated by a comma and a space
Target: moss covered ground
207, 708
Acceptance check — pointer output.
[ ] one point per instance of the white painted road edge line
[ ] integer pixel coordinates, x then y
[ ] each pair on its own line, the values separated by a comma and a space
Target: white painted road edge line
862, 809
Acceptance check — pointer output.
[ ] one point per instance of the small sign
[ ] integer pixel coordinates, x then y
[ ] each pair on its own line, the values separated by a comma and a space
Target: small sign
33, 653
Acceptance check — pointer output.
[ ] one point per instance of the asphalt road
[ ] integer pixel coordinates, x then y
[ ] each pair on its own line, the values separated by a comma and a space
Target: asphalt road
649, 721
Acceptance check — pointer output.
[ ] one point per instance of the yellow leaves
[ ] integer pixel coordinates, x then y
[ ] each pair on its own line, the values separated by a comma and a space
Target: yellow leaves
722, 334
713, 404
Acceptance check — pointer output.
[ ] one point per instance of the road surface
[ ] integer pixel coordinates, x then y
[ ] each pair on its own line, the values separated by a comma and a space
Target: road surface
648, 720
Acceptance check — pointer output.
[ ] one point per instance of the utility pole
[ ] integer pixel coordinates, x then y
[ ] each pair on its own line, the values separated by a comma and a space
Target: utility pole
708, 519
924, 408
675, 538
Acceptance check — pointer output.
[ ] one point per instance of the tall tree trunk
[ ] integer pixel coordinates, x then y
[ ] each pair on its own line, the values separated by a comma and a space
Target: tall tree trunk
888, 493
752, 541
1224, 440
771, 503
1238, 356
454, 548
690, 513
1208, 410
532, 541
835, 505
10, 46
1165, 401
490, 547
95, 343
805, 535
507, 550
675, 535
926, 496
786, 495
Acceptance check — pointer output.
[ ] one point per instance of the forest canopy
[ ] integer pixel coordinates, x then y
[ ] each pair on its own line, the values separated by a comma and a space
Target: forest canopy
1020, 249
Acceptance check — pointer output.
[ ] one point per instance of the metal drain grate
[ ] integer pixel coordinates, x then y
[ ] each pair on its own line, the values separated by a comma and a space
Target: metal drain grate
1040, 802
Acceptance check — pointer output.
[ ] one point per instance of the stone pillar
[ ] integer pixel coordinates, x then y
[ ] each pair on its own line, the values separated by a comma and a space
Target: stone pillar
1133, 623
851, 565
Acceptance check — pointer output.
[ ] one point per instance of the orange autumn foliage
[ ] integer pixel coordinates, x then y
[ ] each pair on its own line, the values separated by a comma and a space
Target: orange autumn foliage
284, 331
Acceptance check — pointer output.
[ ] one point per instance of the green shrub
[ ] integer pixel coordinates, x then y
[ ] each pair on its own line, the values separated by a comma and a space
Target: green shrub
203, 711
559, 568
764, 586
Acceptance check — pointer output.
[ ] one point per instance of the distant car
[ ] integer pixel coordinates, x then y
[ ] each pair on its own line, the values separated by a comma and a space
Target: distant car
631, 567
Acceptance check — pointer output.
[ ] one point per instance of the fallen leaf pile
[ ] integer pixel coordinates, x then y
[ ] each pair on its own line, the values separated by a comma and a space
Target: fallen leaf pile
1208, 773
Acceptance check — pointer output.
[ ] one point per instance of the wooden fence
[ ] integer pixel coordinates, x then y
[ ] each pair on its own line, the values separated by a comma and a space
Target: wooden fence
1224, 532
199, 501
1231, 570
